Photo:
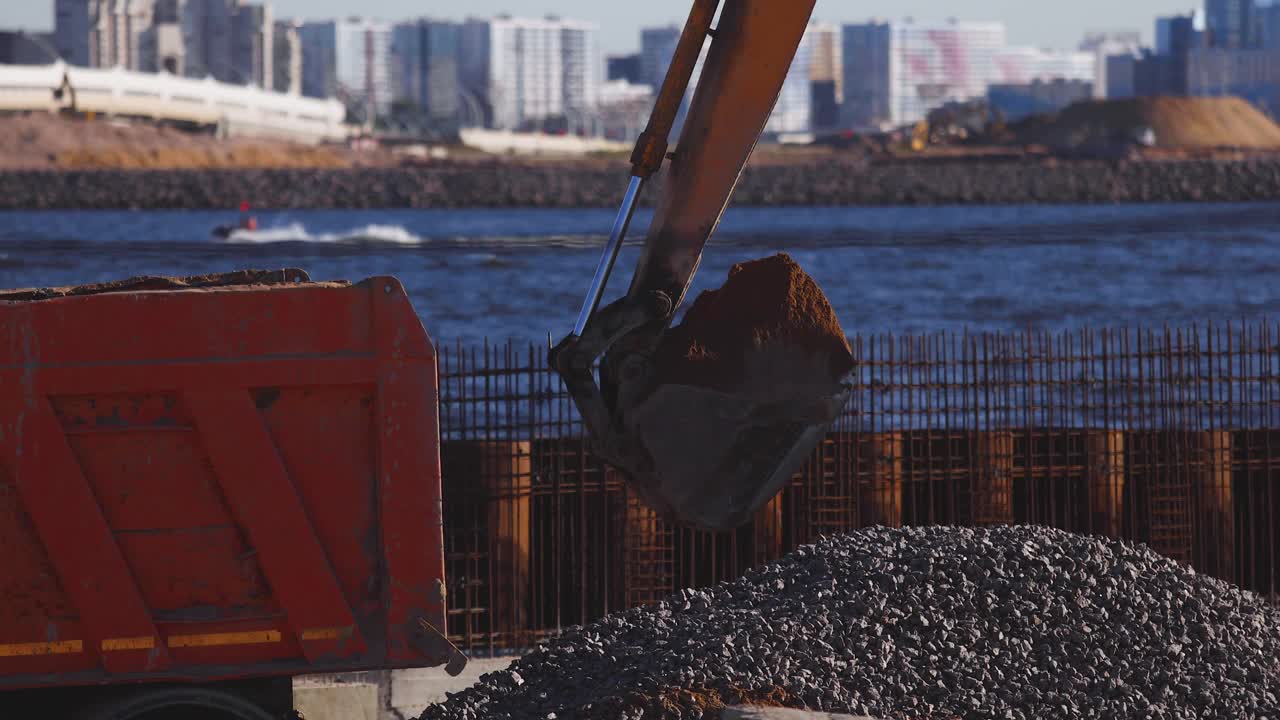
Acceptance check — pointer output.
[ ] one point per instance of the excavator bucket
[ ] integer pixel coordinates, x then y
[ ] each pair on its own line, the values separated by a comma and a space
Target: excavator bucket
709, 419
719, 456
743, 390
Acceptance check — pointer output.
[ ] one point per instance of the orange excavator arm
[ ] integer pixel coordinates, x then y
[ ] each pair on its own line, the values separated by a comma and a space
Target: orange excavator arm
751, 51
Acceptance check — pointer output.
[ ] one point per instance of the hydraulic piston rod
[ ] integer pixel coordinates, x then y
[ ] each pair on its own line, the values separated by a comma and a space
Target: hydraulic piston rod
610, 255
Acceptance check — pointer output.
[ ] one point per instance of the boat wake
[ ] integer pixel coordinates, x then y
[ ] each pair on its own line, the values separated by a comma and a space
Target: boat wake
298, 233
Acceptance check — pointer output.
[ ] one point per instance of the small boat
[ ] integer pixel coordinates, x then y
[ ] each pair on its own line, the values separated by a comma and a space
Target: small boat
247, 222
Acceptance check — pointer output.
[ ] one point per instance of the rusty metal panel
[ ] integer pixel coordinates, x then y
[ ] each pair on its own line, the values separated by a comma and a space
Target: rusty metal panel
218, 482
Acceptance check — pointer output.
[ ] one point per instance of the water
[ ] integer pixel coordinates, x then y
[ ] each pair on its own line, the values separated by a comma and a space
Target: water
521, 274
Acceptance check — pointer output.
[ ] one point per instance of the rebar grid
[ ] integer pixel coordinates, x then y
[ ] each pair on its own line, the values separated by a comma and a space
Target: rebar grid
1168, 437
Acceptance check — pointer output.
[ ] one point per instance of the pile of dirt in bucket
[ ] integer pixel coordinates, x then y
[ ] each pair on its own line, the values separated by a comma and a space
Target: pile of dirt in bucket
771, 301
1175, 122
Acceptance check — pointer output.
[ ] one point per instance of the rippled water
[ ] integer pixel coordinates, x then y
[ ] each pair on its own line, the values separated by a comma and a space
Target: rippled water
521, 273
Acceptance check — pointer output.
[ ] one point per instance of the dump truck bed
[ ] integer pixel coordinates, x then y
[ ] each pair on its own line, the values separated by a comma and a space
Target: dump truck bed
217, 478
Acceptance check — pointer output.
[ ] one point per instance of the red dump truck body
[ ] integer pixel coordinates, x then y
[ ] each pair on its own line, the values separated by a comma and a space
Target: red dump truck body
234, 480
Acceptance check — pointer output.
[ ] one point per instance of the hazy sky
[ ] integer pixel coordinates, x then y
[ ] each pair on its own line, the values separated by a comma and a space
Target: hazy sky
1046, 23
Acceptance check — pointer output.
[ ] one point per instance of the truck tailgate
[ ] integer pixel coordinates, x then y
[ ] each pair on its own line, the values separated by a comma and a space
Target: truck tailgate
217, 479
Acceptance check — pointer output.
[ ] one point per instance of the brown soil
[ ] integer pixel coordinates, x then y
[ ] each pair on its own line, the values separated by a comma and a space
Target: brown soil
772, 300
43, 141
1186, 123
155, 282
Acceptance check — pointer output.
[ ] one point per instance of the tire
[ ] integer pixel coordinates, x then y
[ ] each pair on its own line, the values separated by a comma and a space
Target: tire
178, 704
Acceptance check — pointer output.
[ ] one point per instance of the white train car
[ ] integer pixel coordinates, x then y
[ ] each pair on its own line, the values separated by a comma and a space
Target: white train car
238, 111
29, 88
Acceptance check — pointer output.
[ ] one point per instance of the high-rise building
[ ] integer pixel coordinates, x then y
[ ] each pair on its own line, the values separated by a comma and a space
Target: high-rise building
1253, 75
286, 65
252, 38
319, 61
228, 40
826, 76
169, 11
362, 68
827, 63
793, 111
1177, 34
1147, 73
349, 59
22, 48
424, 57
122, 34
895, 73
625, 67
1232, 24
170, 51
72, 22
1121, 74
208, 29
523, 73
528, 71
1269, 26
657, 48
869, 75
170, 48
1105, 44
580, 69
142, 35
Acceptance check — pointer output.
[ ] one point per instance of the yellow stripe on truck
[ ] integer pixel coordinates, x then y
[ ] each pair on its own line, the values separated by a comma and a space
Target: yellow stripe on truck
63, 647
128, 643
335, 633
259, 637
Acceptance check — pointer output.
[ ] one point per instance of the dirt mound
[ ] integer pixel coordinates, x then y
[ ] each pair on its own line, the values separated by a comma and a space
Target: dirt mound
1181, 123
155, 282
767, 301
57, 142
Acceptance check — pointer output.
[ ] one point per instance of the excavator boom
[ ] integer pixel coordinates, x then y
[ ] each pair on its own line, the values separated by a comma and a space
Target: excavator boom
706, 458
746, 65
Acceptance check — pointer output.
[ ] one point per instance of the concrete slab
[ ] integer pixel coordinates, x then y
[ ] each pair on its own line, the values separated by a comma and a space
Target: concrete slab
413, 690
342, 701
749, 713
405, 694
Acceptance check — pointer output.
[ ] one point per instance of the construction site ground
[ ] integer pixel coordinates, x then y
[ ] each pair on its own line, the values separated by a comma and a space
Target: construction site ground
404, 694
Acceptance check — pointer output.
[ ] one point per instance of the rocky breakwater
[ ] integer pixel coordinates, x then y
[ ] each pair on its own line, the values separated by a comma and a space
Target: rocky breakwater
498, 183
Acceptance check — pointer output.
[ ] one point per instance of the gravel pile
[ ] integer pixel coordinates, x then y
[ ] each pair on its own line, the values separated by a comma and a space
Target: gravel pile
1021, 622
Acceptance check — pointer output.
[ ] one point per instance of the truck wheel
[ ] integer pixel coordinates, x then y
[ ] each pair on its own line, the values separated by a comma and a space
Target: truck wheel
179, 704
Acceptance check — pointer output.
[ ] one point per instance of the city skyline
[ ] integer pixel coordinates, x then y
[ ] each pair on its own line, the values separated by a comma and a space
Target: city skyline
1043, 24
547, 73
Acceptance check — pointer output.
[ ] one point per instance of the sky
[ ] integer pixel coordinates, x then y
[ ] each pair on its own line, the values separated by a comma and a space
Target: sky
1045, 23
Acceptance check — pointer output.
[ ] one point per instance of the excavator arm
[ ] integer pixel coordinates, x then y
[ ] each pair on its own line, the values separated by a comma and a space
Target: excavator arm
746, 444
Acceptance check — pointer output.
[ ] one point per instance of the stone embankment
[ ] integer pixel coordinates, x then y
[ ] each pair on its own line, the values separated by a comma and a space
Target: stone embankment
506, 183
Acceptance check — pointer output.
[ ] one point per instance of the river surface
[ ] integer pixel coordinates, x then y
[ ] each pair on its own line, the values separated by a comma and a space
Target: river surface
520, 274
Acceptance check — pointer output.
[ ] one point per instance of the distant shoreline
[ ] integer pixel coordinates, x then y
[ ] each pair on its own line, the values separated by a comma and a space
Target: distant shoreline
503, 183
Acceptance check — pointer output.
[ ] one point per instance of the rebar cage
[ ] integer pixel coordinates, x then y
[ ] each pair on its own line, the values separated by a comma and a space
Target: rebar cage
1166, 437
